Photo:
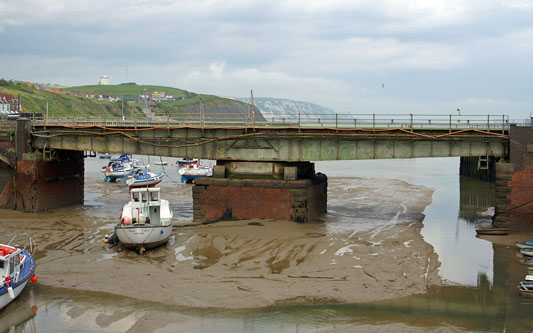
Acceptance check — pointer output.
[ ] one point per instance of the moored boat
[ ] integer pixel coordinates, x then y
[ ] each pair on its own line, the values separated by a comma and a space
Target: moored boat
527, 251
524, 244
186, 161
526, 288
143, 178
145, 222
17, 267
192, 171
116, 170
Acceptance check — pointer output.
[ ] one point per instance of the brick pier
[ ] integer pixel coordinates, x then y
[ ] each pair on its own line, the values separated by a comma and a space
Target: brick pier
245, 196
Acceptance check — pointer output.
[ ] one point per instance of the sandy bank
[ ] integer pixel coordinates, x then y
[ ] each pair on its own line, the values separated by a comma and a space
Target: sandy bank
367, 248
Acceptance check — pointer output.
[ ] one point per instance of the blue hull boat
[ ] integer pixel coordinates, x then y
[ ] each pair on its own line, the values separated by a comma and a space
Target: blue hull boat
527, 251
17, 267
144, 178
524, 244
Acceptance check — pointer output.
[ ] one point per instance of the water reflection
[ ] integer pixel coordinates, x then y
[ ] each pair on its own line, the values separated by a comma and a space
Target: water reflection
476, 198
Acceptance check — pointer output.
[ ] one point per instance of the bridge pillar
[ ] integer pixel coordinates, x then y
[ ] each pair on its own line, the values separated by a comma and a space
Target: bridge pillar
514, 182
268, 190
35, 182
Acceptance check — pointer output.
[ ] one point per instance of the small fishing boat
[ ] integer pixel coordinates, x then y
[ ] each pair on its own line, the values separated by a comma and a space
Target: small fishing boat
186, 161
143, 178
17, 267
105, 156
492, 231
524, 244
116, 170
123, 158
145, 221
527, 251
192, 171
526, 288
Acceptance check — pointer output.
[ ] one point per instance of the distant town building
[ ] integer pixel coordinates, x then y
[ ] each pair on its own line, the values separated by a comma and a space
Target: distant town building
155, 96
10, 104
104, 81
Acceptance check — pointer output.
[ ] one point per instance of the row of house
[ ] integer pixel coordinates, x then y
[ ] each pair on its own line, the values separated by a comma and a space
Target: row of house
10, 104
100, 97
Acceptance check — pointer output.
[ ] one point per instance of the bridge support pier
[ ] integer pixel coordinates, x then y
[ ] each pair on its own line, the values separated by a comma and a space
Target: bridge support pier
33, 181
38, 185
267, 190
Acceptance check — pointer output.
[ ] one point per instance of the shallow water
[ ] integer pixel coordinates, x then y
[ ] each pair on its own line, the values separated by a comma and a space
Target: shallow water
482, 297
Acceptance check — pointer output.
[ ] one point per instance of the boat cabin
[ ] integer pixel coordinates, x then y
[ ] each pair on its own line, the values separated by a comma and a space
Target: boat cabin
146, 205
10, 260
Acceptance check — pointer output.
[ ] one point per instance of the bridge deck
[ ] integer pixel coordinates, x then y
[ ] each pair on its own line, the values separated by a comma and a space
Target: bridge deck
275, 141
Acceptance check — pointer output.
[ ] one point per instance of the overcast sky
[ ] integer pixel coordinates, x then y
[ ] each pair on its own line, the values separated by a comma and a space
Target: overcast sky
359, 56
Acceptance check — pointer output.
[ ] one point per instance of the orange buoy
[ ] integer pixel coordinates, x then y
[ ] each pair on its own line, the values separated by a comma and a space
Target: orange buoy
34, 309
33, 278
99, 187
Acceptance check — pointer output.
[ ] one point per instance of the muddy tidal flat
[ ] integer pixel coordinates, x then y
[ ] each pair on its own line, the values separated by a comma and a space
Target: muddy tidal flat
371, 250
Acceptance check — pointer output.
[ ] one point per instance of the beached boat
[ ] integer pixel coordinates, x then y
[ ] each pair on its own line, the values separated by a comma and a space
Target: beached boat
186, 161
17, 267
145, 221
143, 178
526, 288
527, 251
524, 244
116, 170
123, 158
492, 231
192, 171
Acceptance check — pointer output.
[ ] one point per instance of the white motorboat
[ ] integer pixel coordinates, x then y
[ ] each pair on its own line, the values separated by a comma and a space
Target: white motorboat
146, 220
192, 171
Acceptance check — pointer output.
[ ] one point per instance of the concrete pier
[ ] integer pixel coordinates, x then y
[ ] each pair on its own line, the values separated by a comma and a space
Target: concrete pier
243, 190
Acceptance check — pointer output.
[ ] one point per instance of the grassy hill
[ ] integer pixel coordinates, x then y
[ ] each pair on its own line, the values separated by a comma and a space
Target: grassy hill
187, 103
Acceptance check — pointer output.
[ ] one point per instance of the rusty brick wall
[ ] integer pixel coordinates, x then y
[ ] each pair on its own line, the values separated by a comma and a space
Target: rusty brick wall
521, 195
246, 202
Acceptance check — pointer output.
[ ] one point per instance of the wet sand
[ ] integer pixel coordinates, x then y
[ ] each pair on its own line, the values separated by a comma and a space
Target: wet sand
367, 248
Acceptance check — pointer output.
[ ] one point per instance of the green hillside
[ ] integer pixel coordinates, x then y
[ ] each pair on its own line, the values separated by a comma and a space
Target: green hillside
64, 106
187, 104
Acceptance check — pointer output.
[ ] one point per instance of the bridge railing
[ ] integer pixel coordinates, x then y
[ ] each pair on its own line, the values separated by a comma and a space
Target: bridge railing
340, 121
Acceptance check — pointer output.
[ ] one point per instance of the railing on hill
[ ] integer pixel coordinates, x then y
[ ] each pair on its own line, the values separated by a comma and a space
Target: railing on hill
333, 121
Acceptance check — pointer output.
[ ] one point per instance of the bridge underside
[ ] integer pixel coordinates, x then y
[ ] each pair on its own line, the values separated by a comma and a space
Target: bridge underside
266, 172
281, 144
